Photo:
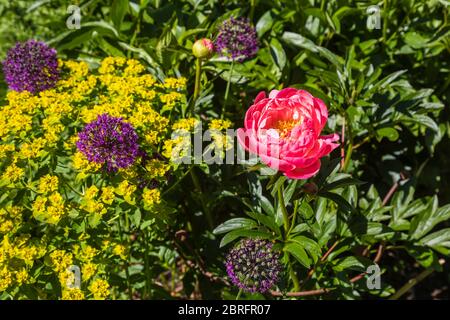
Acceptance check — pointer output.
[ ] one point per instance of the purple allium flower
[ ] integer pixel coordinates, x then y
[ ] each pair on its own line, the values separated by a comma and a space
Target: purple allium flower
237, 39
111, 141
31, 66
253, 265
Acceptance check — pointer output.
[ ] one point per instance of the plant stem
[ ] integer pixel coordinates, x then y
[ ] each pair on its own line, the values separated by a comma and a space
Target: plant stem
294, 218
252, 9
127, 273
198, 72
293, 276
283, 210
147, 270
239, 294
411, 283
202, 200
227, 90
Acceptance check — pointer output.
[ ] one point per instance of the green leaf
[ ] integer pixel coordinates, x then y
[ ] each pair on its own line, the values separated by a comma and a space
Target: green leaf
264, 24
439, 238
233, 235
299, 41
352, 263
278, 54
342, 183
424, 222
298, 253
268, 221
266, 205
118, 10
311, 246
339, 200
389, 133
305, 210
235, 223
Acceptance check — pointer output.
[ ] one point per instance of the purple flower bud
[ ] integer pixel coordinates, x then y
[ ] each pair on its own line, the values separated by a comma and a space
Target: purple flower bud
253, 265
237, 39
109, 141
31, 66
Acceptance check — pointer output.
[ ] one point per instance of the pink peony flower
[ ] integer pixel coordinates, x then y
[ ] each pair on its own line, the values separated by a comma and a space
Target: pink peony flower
284, 131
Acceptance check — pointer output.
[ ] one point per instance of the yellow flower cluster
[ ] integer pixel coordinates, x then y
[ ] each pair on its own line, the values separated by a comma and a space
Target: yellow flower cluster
126, 190
220, 124
187, 124
48, 184
53, 192
49, 209
10, 219
120, 251
16, 260
150, 197
99, 289
90, 202
156, 169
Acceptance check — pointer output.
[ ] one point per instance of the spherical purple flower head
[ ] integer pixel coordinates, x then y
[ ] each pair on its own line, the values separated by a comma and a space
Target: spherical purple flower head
31, 66
253, 265
110, 141
237, 39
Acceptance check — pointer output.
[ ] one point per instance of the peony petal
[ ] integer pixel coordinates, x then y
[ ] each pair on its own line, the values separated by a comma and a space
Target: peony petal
259, 97
304, 173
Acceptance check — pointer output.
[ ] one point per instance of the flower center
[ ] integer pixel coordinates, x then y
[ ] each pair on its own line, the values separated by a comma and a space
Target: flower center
284, 127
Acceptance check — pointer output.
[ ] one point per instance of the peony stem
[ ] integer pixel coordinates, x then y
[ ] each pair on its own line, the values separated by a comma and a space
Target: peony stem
198, 72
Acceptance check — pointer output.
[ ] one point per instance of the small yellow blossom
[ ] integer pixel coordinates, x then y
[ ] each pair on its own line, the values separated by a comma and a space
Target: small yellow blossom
99, 289
48, 183
120, 250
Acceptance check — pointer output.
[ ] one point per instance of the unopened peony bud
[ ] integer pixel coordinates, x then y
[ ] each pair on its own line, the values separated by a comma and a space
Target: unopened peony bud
203, 48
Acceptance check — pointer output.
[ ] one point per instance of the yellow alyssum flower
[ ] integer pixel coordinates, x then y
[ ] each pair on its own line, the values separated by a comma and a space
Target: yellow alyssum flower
220, 124
88, 270
109, 64
169, 99
31, 150
10, 219
126, 190
48, 183
78, 69
177, 148
82, 164
49, 209
156, 168
5, 148
134, 67
150, 197
108, 195
120, 250
175, 83
91, 193
61, 260
187, 124
6, 279
13, 173
72, 294
99, 289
